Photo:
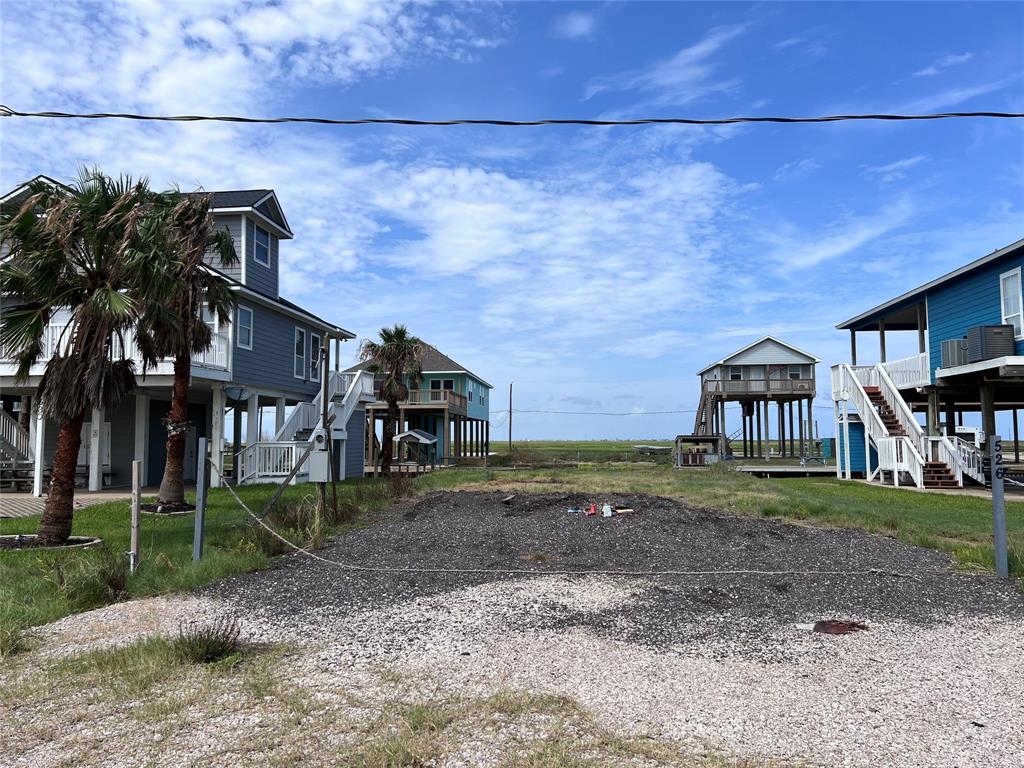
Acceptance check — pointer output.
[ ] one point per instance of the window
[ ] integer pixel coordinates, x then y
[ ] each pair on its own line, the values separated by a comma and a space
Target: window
261, 247
794, 372
1013, 306
314, 357
300, 353
471, 395
244, 327
735, 373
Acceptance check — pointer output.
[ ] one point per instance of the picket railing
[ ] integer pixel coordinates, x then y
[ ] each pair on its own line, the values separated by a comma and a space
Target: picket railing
968, 456
898, 454
267, 460
14, 435
899, 407
910, 371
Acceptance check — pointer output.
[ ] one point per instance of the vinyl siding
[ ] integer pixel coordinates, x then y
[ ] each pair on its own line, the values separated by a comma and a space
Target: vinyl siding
270, 364
857, 465
971, 300
474, 409
259, 276
355, 444
768, 352
122, 441
233, 224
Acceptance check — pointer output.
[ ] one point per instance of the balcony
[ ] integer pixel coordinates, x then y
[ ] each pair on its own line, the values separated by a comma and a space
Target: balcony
215, 359
432, 398
909, 372
760, 387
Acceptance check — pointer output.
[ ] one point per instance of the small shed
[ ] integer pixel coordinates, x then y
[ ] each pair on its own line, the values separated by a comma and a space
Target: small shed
420, 445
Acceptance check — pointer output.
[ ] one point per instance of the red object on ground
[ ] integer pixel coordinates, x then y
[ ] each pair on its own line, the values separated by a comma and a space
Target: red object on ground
592, 510
838, 626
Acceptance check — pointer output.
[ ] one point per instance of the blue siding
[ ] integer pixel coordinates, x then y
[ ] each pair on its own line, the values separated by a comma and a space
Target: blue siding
233, 224
270, 362
258, 276
856, 449
476, 409
966, 302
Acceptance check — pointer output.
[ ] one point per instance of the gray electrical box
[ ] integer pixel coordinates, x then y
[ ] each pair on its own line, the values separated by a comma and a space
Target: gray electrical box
319, 466
954, 353
985, 342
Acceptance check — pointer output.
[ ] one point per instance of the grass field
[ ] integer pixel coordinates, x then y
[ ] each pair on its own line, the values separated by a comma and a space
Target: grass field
38, 587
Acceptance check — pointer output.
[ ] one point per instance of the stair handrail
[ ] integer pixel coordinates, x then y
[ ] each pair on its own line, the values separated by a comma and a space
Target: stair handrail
971, 461
12, 432
946, 452
900, 408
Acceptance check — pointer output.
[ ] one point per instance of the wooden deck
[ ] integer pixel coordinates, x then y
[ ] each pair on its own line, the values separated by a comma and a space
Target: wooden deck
787, 470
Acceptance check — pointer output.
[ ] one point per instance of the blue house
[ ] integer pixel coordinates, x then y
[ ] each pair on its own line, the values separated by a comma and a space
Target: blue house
267, 367
969, 325
449, 402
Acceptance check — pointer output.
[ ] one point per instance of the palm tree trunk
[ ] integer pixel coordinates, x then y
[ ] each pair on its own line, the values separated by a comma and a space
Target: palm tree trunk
25, 414
387, 441
55, 525
172, 486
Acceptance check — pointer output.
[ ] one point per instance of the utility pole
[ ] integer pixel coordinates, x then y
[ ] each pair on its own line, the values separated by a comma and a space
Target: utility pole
510, 418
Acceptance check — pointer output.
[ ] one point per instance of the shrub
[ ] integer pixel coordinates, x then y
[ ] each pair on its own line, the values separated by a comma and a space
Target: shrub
12, 640
200, 643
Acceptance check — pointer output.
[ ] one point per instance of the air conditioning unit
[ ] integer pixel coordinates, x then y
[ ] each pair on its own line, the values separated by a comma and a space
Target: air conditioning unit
954, 353
985, 342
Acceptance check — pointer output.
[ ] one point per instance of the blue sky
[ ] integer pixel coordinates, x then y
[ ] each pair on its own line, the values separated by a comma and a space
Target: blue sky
597, 268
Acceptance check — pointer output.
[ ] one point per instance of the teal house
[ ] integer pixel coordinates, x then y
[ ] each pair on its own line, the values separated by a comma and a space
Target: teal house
449, 402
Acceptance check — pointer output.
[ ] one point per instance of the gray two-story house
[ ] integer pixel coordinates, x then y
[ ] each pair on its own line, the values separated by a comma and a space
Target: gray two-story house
262, 373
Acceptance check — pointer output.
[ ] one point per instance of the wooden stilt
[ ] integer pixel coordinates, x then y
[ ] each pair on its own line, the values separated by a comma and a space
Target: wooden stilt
800, 417
757, 418
792, 442
1016, 440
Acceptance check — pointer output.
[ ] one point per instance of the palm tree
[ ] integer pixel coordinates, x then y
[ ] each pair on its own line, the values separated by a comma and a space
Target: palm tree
69, 259
181, 230
397, 356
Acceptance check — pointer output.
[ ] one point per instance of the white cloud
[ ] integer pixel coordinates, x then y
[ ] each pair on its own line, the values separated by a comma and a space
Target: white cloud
683, 78
893, 171
944, 62
797, 169
795, 250
574, 26
953, 97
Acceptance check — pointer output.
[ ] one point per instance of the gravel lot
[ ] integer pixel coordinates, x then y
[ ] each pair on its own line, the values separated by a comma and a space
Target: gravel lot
718, 661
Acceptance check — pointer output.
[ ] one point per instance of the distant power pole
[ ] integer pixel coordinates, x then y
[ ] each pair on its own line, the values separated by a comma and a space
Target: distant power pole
510, 418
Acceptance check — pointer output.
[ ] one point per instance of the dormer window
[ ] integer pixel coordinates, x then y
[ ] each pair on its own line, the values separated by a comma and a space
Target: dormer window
261, 247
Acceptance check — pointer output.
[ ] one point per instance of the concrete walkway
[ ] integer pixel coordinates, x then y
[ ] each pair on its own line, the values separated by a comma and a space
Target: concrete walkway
26, 505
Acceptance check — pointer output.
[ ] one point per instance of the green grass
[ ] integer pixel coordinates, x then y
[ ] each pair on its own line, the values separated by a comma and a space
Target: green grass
37, 587
40, 587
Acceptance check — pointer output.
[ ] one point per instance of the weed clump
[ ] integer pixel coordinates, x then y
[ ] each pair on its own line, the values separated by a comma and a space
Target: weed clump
199, 643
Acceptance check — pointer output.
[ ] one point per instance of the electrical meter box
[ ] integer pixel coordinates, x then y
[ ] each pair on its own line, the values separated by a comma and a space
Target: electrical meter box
318, 463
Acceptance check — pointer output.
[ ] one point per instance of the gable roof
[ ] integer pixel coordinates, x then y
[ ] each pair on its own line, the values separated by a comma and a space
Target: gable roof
753, 344
909, 322
433, 361
22, 188
262, 202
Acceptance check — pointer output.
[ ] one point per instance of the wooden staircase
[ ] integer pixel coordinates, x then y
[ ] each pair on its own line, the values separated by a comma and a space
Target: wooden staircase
937, 474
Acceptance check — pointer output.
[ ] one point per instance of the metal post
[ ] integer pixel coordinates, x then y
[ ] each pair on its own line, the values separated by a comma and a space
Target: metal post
202, 483
133, 553
995, 451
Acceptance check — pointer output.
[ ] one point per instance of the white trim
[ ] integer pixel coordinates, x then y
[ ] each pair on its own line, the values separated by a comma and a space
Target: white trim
1019, 314
245, 255
250, 211
1014, 361
933, 284
256, 241
252, 326
305, 357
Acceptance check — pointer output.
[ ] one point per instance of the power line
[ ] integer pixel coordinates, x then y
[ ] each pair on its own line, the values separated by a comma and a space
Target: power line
6, 111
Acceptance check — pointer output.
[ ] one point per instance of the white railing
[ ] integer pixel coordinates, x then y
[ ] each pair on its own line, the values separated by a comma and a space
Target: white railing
941, 449
896, 455
305, 416
14, 435
909, 372
900, 409
966, 455
55, 335
268, 460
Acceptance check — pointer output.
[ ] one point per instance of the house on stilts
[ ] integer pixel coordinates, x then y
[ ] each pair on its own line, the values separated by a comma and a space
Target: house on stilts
271, 359
969, 326
765, 372
449, 402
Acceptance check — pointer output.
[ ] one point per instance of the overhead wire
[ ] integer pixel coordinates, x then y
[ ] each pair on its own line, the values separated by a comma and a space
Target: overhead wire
6, 111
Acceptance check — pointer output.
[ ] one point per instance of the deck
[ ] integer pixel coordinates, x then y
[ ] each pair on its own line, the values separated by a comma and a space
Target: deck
787, 470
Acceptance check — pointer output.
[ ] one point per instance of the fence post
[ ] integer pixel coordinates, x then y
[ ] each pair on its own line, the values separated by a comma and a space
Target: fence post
995, 452
202, 475
133, 553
